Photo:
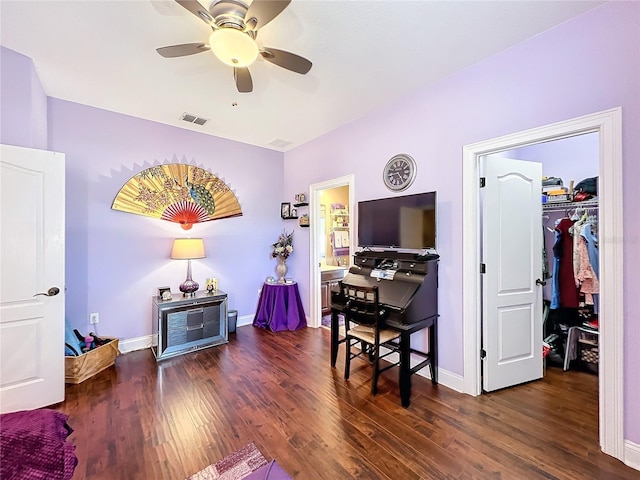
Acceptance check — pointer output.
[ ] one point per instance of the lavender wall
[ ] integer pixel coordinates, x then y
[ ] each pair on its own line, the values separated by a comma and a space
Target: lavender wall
116, 260
589, 64
23, 118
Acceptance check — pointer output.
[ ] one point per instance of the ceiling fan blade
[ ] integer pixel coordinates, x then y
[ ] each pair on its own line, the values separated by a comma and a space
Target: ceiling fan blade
182, 50
197, 9
261, 12
287, 60
243, 79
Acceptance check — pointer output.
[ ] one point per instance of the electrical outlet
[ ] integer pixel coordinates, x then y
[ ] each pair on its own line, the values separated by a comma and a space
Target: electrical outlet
94, 318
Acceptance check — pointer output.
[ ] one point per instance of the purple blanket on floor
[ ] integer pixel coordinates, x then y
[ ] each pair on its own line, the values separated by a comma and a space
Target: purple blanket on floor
33, 446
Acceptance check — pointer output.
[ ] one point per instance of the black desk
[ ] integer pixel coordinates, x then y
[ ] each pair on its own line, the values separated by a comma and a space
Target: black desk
405, 330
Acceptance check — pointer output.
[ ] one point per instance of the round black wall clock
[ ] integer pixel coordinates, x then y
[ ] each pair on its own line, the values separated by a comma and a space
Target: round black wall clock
399, 172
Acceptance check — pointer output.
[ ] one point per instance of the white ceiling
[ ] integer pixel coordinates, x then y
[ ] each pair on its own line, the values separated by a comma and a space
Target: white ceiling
365, 54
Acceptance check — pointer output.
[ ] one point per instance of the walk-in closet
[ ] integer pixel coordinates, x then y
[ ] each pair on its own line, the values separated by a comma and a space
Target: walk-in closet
571, 272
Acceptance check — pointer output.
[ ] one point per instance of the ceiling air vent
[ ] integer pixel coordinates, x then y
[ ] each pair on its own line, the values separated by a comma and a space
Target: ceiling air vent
278, 142
187, 117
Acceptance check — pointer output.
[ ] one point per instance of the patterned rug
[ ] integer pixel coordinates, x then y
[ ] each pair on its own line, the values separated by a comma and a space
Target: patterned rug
234, 466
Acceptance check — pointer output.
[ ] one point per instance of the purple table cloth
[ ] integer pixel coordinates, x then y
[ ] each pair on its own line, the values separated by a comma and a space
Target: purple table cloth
280, 308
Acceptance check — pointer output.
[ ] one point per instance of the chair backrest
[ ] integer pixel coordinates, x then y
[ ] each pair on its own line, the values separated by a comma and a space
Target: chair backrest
362, 304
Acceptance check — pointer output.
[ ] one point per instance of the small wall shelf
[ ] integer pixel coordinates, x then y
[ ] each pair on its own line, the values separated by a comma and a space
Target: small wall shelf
301, 201
339, 219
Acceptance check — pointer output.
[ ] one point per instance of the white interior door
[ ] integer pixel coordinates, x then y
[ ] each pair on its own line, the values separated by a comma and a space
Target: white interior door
512, 254
32, 259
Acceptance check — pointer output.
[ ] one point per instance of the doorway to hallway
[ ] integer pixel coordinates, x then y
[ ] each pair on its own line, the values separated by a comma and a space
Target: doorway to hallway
332, 239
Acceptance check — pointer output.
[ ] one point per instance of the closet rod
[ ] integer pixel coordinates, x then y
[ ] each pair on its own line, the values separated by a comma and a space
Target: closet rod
564, 206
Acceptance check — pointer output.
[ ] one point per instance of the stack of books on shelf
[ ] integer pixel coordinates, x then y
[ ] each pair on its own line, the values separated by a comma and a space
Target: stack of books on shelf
557, 195
555, 192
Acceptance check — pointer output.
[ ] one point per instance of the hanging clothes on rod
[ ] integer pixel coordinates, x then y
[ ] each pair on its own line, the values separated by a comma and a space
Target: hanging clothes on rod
591, 240
586, 265
565, 293
586, 279
575, 283
575, 255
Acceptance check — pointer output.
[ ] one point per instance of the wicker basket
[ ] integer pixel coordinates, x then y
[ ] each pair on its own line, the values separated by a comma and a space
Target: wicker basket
588, 354
78, 369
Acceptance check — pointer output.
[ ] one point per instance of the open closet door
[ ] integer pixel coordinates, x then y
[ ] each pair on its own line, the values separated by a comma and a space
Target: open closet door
512, 255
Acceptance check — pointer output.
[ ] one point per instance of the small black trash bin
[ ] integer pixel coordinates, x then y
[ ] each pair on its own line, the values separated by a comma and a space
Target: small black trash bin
232, 315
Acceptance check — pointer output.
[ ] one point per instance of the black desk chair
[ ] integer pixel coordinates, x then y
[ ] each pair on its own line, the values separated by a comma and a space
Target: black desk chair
364, 323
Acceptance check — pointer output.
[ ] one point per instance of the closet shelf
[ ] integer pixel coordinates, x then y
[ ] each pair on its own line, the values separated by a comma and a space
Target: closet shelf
561, 206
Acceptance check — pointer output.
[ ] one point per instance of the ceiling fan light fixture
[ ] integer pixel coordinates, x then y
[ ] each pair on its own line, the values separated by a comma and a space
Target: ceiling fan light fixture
233, 47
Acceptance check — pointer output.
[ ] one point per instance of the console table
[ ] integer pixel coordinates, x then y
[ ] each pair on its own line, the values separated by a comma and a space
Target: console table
185, 324
280, 307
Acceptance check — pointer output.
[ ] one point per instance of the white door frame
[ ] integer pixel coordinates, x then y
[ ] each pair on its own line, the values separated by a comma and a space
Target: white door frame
608, 124
314, 249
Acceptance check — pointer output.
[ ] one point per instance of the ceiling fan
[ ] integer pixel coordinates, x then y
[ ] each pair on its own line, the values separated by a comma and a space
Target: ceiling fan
235, 28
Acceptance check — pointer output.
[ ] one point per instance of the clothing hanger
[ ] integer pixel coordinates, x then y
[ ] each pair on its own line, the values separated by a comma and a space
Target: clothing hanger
579, 214
582, 214
584, 217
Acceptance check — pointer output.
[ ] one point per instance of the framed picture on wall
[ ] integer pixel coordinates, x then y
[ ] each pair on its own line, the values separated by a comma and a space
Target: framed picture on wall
293, 212
285, 210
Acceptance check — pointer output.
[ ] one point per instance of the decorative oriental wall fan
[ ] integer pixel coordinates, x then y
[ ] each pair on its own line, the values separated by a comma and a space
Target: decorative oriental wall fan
179, 193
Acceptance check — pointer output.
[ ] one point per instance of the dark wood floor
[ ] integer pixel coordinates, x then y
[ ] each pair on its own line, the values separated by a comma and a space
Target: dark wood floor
142, 420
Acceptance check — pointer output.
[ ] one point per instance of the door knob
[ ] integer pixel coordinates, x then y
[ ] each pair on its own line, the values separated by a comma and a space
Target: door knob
540, 282
52, 292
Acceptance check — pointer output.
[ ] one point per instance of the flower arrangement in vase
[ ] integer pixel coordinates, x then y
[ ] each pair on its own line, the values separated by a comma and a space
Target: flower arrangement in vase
281, 250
